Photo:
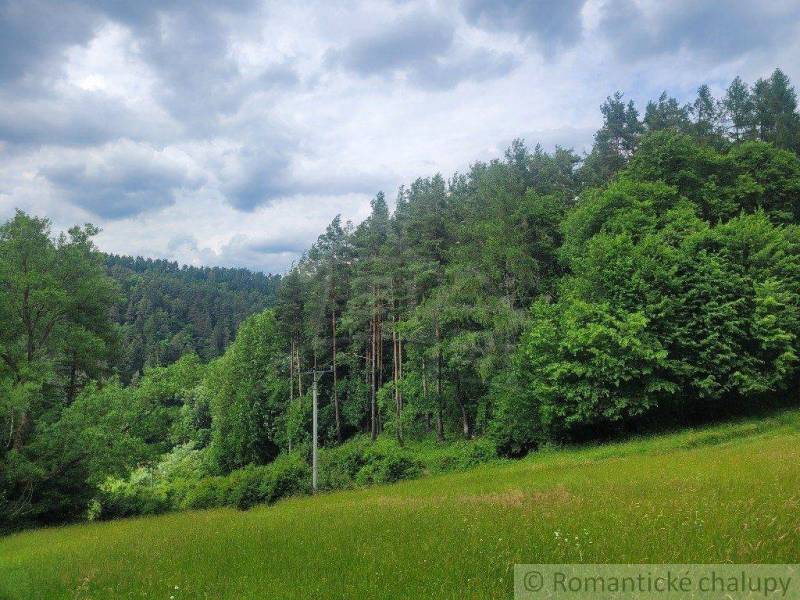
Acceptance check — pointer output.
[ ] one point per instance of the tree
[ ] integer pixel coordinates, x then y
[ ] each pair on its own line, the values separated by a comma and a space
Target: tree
614, 143
586, 367
666, 113
707, 118
330, 259
775, 111
369, 301
739, 105
56, 301
55, 334
167, 309
250, 396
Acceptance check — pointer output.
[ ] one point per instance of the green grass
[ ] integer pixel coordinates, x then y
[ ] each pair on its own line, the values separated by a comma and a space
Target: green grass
729, 493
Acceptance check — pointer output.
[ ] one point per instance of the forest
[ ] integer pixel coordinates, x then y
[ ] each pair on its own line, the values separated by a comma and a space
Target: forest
166, 310
539, 299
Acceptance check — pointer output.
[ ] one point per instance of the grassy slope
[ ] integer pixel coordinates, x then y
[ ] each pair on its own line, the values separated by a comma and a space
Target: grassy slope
726, 493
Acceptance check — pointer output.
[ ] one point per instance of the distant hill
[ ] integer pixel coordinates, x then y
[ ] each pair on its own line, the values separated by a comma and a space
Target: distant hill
169, 309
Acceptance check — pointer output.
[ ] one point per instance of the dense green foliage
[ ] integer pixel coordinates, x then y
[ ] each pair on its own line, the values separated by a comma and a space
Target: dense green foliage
547, 297
672, 304
166, 310
180, 479
536, 299
248, 396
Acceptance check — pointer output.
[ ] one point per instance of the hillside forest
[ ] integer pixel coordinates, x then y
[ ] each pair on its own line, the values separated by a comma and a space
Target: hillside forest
538, 299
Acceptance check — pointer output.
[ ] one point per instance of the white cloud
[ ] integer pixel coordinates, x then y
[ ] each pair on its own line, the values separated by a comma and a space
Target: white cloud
232, 134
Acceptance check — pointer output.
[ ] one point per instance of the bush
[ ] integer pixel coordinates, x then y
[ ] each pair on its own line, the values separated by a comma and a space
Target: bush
208, 492
462, 455
137, 495
340, 465
287, 475
387, 462
179, 481
361, 462
155, 489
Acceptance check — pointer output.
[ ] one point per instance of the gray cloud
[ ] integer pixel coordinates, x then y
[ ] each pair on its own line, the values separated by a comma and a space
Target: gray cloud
267, 256
480, 65
121, 181
79, 119
553, 23
189, 50
261, 177
422, 47
278, 75
294, 245
405, 44
262, 174
33, 34
186, 43
704, 27
183, 242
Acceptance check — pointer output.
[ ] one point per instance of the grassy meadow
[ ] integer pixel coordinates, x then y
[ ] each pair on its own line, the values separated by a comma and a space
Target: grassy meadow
728, 493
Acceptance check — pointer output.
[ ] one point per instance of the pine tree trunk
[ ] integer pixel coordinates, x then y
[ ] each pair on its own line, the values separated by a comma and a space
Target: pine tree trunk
291, 383
24, 418
379, 342
439, 399
299, 375
19, 434
462, 407
396, 381
335, 391
464, 420
367, 362
425, 394
291, 372
372, 406
400, 368
379, 347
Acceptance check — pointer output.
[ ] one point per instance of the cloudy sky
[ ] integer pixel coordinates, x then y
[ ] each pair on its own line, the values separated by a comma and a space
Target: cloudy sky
231, 133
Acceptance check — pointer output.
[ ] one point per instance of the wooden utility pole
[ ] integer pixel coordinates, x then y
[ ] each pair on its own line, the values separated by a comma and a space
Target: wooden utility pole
314, 435
317, 373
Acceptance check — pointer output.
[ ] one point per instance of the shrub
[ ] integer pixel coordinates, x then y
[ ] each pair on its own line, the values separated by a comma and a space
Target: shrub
208, 492
387, 462
137, 495
287, 475
361, 462
340, 465
462, 455
154, 489
254, 484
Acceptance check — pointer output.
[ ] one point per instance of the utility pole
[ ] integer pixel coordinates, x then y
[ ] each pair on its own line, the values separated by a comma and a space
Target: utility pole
317, 373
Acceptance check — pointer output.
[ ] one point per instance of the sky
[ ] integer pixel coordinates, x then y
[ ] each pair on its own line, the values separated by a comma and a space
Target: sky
231, 133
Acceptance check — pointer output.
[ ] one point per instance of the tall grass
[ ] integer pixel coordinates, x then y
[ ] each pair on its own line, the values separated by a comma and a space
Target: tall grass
719, 494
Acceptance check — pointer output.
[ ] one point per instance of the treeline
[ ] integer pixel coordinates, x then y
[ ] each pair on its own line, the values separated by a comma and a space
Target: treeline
548, 296
166, 310
539, 298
